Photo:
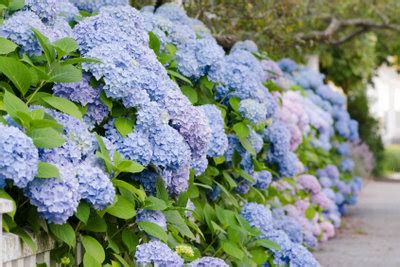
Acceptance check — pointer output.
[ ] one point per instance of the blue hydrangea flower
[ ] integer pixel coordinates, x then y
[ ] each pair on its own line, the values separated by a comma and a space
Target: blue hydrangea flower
67, 10
291, 227
95, 186
208, 261
300, 256
215, 193
343, 149
95, 5
157, 253
80, 92
148, 180
169, 148
79, 145
219, 140
258, 215
263, 179
255, 140
347, 165
45, 9
19, 156
56, 199
287, 65
18, 28
247, 45
153, 216
2, 183
253, 110
192, 124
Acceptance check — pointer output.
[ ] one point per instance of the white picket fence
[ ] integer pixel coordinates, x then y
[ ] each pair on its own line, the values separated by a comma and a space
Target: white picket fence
14, 253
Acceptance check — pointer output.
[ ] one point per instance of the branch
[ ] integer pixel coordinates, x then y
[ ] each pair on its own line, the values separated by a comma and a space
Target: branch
336, 25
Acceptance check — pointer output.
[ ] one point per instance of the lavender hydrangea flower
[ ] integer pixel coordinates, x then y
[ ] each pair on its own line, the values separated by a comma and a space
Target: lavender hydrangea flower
157, 253
208, 261
95, 186
178, 179
56, 199
19, 157
310, 183
153, 216
219, 140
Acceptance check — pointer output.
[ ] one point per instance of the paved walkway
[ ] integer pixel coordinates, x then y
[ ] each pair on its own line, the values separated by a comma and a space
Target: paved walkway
370, 233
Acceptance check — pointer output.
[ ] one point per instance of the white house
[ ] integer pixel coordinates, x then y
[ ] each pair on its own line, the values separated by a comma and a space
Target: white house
384, 98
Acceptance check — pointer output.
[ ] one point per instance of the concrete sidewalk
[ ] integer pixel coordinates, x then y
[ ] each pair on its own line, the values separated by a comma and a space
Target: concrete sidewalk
370, 234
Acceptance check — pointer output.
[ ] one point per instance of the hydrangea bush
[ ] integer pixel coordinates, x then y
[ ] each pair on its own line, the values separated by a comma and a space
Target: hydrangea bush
135, 134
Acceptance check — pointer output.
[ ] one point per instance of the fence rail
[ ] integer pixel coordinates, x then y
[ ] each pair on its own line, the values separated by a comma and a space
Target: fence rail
14, 253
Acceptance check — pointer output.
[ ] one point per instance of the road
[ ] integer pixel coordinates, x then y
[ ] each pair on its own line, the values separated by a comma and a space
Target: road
370, 233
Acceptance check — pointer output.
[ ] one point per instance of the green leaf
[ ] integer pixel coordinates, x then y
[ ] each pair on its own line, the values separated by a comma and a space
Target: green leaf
161, 189
65, 74
241, 129
47, 170
138, 192
95, 223
47, 47
64, 232
63, 105
122, 208
17, 72
124, 126
190, 93
77, 60
247, 145
310, 212
130, 240
154, 230
177, 221
234, 102
6, 46
179, 76
93, 248
25, 237
154, 43
106, 101
268, 244
153, 203
90, 261
13, 104
66, 45
232, 249
259, 256
83, 212
104, 153
46, 137
129, 166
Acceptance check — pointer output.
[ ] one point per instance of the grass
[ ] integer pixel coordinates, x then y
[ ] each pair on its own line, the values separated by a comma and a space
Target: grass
392, 159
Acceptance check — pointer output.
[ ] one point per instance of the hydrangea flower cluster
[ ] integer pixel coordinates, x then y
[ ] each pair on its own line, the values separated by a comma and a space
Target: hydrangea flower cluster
291, 253
19, 156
